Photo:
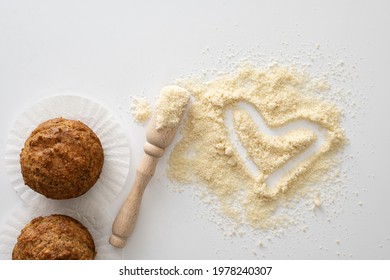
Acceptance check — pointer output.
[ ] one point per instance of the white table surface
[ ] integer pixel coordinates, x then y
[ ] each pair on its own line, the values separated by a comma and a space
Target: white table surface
110, 50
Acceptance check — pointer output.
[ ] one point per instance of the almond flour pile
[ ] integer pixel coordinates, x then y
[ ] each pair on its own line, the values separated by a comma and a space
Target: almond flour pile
206, 155
140, 109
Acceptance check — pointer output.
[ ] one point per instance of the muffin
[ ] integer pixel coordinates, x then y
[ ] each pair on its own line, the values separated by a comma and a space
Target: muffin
55, 237
61, 159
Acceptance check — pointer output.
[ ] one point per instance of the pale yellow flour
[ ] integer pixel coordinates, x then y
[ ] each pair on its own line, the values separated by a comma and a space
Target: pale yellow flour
206, 155
140, 109
170, 106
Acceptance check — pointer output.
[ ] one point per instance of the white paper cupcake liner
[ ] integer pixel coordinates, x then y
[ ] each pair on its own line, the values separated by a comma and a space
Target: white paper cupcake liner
97, 221
100, 120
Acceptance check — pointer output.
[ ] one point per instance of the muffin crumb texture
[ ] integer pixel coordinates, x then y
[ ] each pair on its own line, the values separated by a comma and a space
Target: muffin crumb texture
55, 237
61, 159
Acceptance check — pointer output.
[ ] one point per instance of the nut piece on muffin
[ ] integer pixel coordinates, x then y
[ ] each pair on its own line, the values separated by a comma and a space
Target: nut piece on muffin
55, 237
61, 159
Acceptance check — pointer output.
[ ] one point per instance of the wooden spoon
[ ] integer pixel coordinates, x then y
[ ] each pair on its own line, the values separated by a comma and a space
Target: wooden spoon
157, 141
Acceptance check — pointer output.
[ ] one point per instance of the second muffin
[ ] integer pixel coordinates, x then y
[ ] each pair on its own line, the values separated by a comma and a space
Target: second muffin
61, 159
55, 237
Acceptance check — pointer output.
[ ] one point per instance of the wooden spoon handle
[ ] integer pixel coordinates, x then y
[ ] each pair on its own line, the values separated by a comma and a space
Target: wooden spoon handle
125, 221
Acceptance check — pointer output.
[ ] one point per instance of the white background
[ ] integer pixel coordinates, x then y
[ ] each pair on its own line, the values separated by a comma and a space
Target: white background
111, 50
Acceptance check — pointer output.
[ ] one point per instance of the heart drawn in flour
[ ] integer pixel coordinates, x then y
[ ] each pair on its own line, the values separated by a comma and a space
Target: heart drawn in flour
278, 156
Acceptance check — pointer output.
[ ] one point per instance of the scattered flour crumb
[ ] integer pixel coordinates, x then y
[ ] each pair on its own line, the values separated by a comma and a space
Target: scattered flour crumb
317, 202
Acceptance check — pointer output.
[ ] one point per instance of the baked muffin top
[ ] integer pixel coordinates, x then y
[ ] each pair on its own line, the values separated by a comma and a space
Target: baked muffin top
61, 159
55, 237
